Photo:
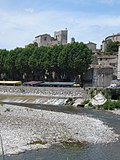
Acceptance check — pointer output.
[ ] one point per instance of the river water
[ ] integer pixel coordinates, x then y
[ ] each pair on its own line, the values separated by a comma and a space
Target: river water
109, 151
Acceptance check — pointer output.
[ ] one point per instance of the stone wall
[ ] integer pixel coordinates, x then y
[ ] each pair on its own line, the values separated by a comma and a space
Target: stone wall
44, 91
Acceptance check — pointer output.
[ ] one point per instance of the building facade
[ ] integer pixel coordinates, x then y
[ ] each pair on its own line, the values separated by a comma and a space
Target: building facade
98, 76
92, 46
102, 71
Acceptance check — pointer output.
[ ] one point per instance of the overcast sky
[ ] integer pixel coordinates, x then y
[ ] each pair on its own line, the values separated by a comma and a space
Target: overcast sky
86, 20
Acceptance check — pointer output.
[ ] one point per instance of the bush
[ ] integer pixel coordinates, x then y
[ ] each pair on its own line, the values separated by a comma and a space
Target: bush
110, 105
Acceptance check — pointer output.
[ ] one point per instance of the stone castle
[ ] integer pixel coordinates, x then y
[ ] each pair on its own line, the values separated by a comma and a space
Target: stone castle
60, 37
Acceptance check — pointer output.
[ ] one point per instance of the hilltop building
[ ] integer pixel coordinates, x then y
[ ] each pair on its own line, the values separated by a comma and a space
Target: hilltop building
60, 37
104, 68
92, 46
113, 38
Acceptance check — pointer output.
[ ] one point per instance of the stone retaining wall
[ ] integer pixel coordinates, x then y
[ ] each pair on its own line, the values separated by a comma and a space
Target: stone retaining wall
44, 91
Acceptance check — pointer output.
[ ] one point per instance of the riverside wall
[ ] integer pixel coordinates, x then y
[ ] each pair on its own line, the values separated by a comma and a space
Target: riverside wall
60, 92
44, 91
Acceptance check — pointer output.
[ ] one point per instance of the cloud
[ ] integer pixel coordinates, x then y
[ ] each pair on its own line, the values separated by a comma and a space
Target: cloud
29, 10
19, 29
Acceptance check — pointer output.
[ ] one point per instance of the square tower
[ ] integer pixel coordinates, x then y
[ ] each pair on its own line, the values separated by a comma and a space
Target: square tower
61, 36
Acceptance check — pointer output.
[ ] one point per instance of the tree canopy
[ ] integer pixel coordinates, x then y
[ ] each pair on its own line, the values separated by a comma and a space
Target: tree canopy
57, 63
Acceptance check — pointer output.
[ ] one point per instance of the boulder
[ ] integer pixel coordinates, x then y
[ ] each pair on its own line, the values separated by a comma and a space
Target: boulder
99, 99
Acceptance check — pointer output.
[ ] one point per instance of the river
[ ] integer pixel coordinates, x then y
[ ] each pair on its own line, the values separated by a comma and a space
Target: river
109, 151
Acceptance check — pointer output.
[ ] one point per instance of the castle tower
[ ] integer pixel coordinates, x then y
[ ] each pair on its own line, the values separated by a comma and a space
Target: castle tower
61, 36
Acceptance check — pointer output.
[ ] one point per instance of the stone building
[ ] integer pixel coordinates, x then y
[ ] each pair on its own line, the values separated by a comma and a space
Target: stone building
43, 40
113, 38
102, 75
102, 71
60, 37
92, 46
98, 76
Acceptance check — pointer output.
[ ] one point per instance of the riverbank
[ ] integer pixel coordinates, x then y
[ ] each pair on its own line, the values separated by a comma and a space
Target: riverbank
24, 128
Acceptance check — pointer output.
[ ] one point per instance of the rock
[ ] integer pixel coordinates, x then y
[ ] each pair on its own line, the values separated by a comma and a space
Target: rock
78, 102
99, 99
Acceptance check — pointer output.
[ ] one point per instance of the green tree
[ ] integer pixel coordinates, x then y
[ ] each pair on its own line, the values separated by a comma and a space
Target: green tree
54, 67
74, 60
22, 60
3, 54
9, 64
112, 47
65, 61
36, 62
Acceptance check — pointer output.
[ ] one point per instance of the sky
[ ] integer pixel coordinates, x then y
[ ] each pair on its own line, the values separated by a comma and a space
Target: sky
86, 20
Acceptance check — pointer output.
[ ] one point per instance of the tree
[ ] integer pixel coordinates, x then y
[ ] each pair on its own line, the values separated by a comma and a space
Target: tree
3, 54
36, 62
55, 70
74, 60
21, 62
112, 47
9, 64
65, 61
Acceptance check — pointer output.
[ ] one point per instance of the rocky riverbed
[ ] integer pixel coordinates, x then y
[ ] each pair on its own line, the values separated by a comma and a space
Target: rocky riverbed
24, 129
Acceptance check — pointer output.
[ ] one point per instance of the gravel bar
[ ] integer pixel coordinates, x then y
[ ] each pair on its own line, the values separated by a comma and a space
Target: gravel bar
20, 127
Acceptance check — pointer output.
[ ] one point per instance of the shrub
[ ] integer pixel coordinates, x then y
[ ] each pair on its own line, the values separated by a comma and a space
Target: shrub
110, 105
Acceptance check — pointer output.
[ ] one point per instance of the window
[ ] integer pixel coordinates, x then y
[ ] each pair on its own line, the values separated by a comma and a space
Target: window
45, 38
